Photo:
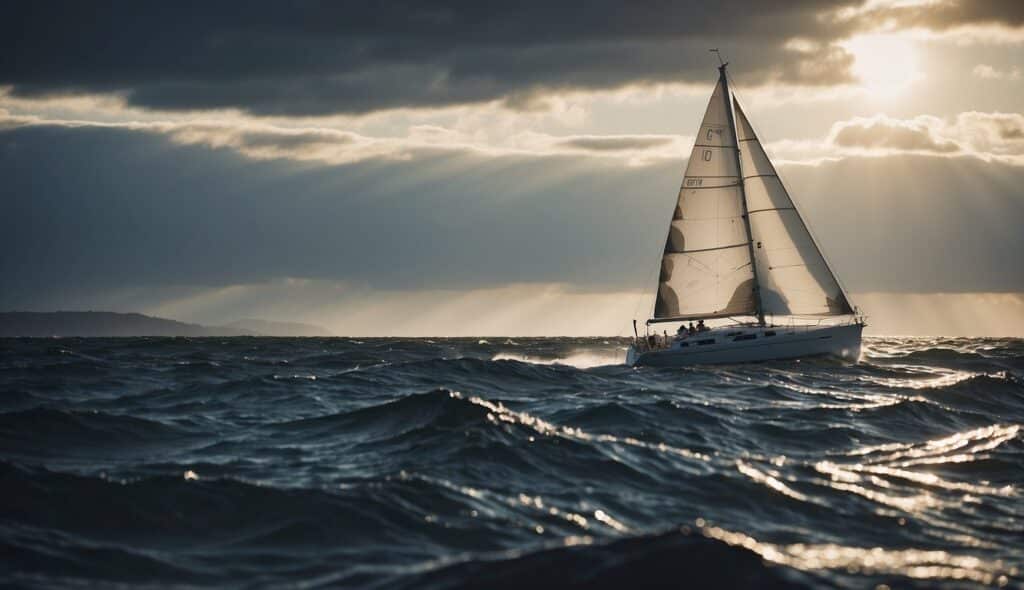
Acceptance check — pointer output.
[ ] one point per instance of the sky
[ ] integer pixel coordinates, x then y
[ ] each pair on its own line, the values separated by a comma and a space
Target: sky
495, 168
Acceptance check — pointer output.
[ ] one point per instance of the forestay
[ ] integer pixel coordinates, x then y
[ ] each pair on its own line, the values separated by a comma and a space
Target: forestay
706, 269
793, 276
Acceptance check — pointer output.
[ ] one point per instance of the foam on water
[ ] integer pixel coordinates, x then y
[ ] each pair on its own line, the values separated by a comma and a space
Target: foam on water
580, 359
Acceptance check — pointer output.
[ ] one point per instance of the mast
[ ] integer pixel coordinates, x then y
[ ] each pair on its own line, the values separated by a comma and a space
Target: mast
743, 194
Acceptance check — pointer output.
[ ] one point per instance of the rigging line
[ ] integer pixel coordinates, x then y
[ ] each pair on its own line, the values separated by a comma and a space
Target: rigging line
697, 188
648, 280
695, 292
814, 292
741, 244
701, 265
736, 269
730, 272
641, 295
771, 209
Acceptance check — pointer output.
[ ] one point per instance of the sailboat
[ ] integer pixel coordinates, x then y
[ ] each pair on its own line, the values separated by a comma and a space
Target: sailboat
738, 249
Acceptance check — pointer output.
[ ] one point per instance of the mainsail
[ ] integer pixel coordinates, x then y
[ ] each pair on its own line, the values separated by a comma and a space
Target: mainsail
737, 245
706, 268
793, 277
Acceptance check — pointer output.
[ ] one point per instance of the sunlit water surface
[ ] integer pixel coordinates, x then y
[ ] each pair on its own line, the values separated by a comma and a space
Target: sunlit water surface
507, 463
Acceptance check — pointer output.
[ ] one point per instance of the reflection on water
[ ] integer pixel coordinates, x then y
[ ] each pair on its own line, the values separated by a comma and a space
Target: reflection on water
449, 463
913, 563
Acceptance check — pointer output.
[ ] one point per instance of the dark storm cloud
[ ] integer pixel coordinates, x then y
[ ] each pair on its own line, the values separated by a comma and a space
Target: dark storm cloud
159, 214
285, 140
321, 57
616, 143
945, 15
93, 209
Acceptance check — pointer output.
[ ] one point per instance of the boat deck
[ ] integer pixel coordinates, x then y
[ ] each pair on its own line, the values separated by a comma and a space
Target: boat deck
748, 343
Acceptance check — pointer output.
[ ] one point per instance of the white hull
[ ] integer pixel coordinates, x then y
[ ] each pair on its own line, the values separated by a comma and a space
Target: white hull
751, 344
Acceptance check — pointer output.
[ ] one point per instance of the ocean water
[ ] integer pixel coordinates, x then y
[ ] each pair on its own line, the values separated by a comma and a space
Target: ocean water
506, 463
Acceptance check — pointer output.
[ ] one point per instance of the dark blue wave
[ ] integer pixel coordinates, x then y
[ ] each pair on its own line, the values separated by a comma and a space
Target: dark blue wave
456, 463
46, 430
673, 559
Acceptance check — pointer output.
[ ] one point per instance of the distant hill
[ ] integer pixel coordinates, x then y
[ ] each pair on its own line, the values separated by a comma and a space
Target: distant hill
103, 323
108, 323
268, 328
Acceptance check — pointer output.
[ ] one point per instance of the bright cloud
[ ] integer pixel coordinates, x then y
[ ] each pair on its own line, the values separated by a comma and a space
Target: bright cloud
883, 133
986, 136
990, 137
987, 72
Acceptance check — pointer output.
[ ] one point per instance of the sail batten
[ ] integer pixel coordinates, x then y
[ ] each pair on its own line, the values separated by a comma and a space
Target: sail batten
706, 267
742, 245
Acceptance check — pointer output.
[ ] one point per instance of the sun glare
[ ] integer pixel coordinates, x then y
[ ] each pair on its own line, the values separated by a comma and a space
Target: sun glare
886, 65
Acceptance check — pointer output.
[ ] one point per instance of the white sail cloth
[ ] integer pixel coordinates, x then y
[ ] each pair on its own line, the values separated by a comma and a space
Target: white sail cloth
706, 269
737, 244
792, 274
